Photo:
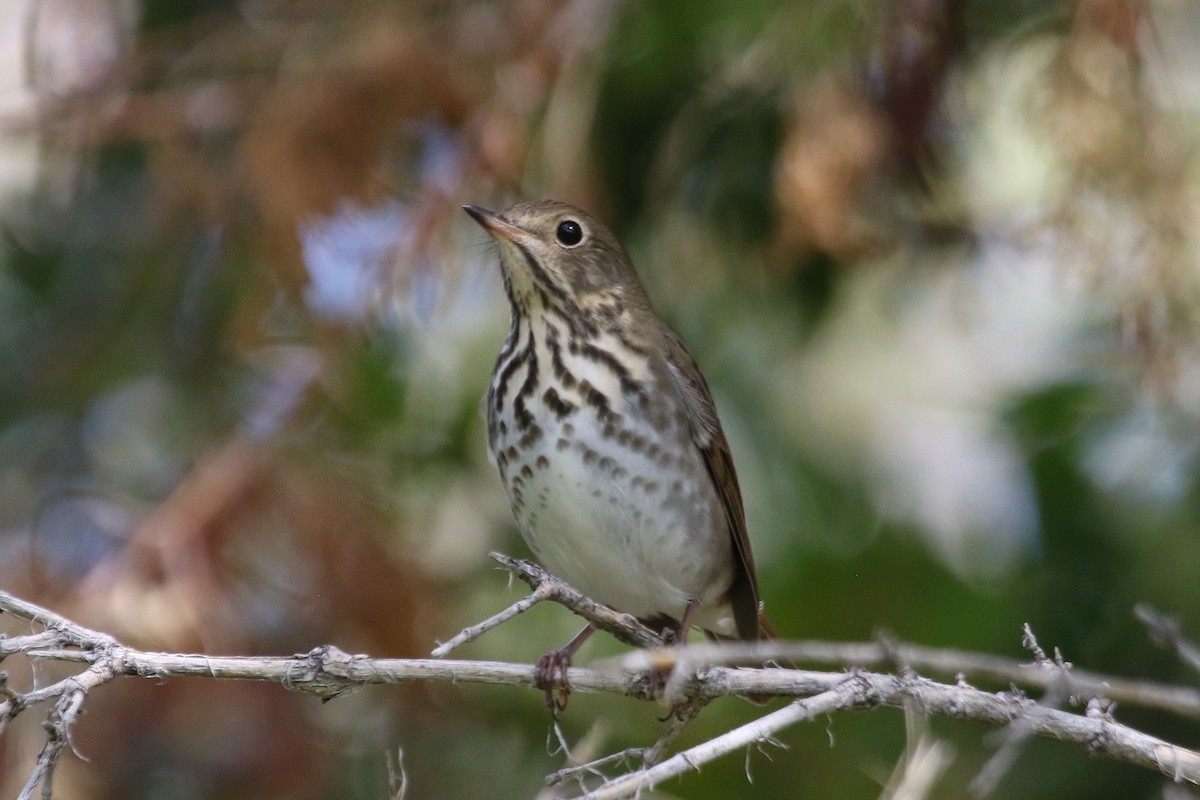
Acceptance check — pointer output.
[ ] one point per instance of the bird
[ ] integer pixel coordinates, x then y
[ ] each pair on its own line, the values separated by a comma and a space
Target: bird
607, 440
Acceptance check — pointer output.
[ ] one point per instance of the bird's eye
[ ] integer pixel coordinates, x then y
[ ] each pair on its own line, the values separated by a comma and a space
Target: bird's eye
569, 233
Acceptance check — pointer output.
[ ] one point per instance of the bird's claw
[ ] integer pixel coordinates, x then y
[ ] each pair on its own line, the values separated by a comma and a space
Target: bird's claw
550, 675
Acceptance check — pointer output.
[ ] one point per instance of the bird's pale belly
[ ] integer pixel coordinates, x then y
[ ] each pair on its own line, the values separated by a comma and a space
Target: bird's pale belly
625, 520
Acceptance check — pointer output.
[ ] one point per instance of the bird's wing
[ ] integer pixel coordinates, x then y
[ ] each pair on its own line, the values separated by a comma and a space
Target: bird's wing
714, 449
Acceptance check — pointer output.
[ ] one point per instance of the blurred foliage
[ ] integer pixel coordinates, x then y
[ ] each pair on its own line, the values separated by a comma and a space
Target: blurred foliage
937, 259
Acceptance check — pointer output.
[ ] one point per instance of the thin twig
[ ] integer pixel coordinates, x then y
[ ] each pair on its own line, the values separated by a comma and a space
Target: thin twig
624, 627
759, 730
473, 632
1168, 631
58, 728
594, 766
397, 777
1013, 738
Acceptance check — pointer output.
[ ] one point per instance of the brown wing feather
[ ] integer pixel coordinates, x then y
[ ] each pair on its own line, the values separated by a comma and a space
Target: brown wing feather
710, 439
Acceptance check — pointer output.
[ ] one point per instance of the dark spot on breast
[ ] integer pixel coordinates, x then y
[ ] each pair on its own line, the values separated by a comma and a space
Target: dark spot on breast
568, 429
597, 400
542, 462
606, 463
618, 473
523, 416
510, 452
651, 487
589, 456
561, 444
529, 437
558, 406
526, 471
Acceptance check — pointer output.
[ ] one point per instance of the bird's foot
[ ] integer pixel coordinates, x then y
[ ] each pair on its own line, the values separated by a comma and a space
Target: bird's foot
550, 672
550, 675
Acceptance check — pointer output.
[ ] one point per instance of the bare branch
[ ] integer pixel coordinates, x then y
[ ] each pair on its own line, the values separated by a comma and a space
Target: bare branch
697, 675
548, 587
473, 632
58, 727
1100, 735
1181, 700
624, 627
762, 729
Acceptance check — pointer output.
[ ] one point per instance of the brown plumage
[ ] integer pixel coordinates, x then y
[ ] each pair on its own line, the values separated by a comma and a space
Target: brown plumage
606, 436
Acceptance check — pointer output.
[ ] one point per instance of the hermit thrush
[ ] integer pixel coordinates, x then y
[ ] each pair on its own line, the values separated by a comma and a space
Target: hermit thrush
606, 438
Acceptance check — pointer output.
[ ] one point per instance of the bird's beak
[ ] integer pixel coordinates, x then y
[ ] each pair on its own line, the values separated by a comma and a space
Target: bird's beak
495, 224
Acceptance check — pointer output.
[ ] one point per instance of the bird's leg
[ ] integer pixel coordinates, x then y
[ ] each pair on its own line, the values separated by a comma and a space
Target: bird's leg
550, 672
685, 622
659, 676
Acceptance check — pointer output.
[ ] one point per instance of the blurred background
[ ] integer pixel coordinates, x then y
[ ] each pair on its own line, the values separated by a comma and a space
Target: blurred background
937, 259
